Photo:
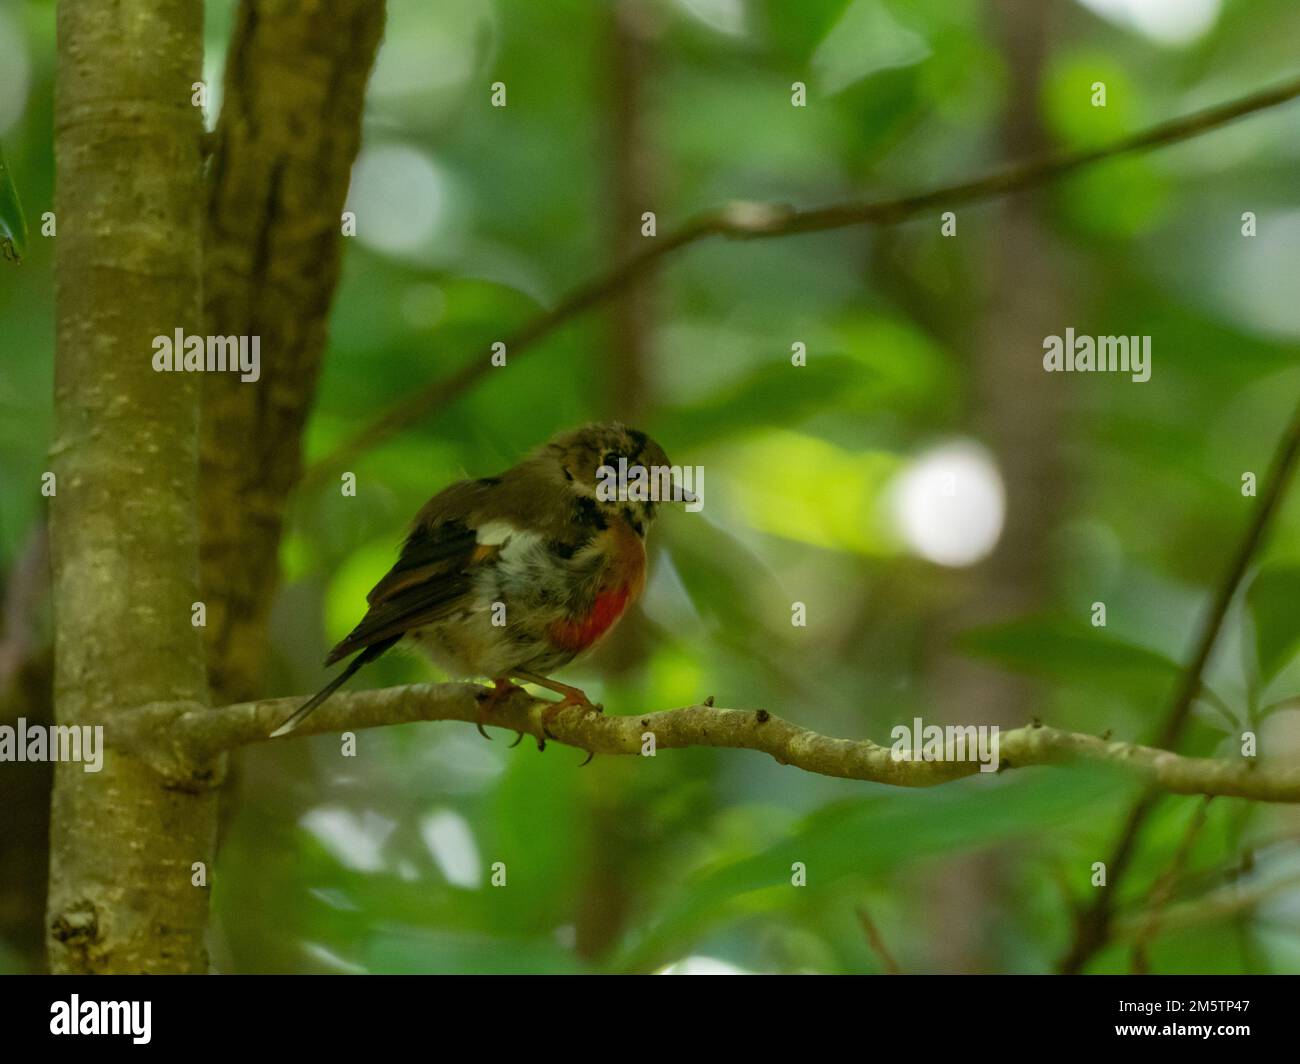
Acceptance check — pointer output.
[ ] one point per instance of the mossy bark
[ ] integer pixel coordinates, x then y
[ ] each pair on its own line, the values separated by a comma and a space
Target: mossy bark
124, 538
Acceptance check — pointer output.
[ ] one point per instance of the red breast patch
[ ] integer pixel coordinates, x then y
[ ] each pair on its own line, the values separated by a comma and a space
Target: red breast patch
577, 635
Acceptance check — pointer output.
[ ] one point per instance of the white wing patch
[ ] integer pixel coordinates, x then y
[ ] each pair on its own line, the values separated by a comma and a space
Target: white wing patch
514, 542
495, 533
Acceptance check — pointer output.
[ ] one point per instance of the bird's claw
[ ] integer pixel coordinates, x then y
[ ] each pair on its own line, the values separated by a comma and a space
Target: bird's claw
485, 700
488, 700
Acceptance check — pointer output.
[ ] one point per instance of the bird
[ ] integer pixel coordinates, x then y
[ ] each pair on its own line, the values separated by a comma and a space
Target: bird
513, 576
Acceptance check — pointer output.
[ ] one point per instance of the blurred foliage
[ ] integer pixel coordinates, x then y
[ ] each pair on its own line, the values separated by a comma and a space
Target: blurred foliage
13, 226
1274, 598
473, 218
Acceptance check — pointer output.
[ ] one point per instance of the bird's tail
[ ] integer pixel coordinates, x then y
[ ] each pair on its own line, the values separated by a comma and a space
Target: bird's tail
300, 714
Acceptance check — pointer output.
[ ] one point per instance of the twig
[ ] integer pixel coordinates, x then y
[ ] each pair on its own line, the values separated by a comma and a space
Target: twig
1226, 902
1163, 888
1279, 475
1092, 924
755, 221
877, 943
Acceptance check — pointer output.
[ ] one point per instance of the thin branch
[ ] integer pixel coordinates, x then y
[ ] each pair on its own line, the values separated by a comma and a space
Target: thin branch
1093, 923
1224, 903
877, 942
1276, 481
756, 221
175, 734
1163, 889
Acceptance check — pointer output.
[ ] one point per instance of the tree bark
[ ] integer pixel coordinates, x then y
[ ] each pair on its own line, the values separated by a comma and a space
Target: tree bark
289, 132
124, 544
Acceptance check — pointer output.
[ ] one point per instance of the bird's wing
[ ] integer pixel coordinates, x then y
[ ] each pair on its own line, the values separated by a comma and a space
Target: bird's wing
432, 576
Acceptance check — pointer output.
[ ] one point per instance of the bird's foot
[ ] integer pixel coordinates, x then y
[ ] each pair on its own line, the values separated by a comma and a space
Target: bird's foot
502, 689
574, 698
569, 696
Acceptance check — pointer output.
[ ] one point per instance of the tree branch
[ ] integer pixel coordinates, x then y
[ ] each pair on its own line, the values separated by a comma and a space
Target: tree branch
282, 155
1163, 889
173, 734
754, 221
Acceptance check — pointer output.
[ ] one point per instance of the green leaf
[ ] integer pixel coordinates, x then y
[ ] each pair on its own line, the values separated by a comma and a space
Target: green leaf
13, 226
866, 40
777, 394
796, 29
810, 490
536, 817
1274, 601
865, 838
1070, 652
725, 580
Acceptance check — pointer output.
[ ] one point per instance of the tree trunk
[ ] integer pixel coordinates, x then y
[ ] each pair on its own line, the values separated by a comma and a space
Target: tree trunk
124, 541
290, 129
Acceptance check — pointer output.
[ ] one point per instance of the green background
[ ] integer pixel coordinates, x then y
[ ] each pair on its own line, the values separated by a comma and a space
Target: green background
473, 218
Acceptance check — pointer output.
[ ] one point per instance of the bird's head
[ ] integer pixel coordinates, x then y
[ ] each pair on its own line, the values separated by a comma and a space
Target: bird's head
605, 461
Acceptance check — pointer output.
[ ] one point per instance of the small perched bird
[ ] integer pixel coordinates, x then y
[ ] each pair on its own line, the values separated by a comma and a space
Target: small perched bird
514, 576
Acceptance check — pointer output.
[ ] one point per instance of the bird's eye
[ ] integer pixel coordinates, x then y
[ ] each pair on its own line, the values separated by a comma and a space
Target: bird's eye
611, 459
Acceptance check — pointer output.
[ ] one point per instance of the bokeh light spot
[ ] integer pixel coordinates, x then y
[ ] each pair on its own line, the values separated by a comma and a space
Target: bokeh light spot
949, 504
